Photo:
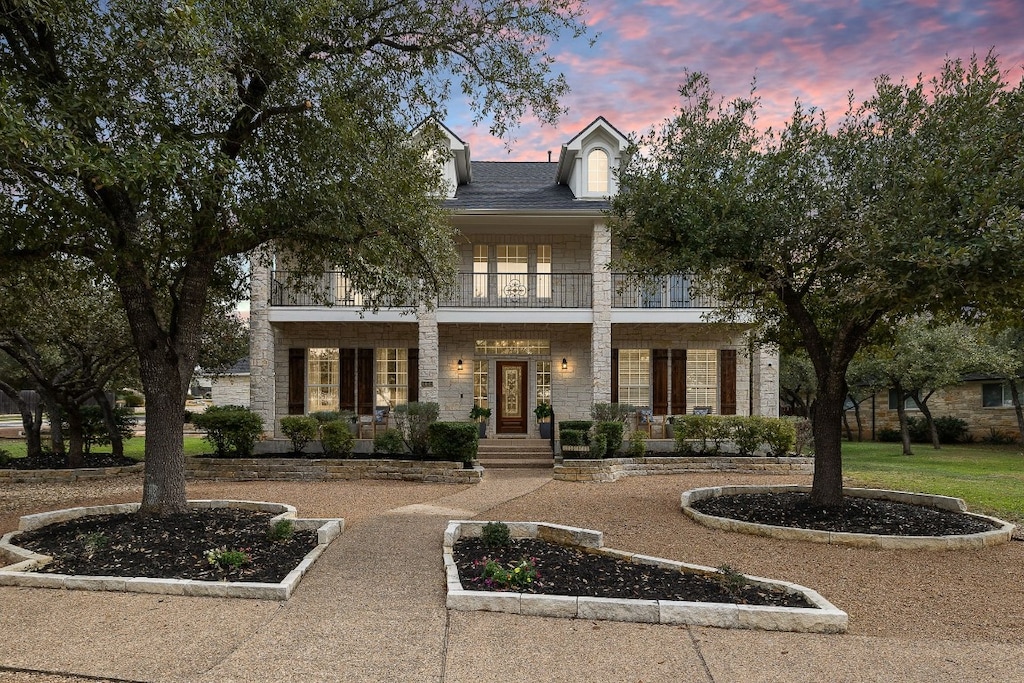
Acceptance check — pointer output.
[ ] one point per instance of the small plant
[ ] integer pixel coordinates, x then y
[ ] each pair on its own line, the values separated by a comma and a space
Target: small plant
300, 429
516, 575
997, 438
479, 413
93, 542
232, 430
337, 439
389, 442
543, 411
414, 419
612, 432
453, 441
732, 581
637, 444
282, 530
598, 446
325, 416
5, 457
496, 535
225, 559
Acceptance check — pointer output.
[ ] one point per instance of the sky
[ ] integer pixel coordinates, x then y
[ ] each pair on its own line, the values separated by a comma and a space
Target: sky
814, 51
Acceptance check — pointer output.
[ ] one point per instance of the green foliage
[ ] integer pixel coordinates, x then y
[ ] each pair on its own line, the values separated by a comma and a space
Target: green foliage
608, 412
496, 535
543, 411
599, 446
414, 419
803, 439
337, 439
612, 433
5, 457
951, 430
705, 434
746, 432
389, 442
225, 559
133, 400
94, 426
232, 430
637, 444
453, 440
780, 435
700, 434
515, 575
325, 416
573, 437
732, 581
577, 425
93, 542
479, 413
282, 530
300, 429
996, 437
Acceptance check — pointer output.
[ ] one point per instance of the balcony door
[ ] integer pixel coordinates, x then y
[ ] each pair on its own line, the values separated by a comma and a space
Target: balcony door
511, 397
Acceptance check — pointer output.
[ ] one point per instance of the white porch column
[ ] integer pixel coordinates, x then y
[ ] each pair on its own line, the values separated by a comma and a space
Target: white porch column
429, 351
262, 390
601, 332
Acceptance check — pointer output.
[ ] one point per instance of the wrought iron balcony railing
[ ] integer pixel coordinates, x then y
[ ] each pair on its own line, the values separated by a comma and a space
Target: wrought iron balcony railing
672, 291
332, 289
520, 290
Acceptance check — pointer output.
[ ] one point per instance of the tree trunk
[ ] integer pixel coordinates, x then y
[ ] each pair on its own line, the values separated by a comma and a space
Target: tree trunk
826, 426
926, 411
75, 456
31, 420
901, 412
1015, 395
116, 442
860, 421
846, 424
56, 432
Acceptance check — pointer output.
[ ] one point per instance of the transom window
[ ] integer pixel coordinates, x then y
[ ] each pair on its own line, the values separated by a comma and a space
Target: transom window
513, 347
635, 377
392, 377
702, 378
323, 368
597, 171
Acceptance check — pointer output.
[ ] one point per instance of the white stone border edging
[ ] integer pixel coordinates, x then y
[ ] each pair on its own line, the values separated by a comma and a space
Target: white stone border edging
1001, 534
21, 573
824, 618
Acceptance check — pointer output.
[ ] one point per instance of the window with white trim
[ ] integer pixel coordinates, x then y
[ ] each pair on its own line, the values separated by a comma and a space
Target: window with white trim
543, 381
479, 271
597, 171
996, 395
702, 378
480, 383
392, 377
513, 265
635, 377
323, 369
543, 271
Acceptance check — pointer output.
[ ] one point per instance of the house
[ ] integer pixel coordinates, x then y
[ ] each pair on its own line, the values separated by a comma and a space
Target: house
983, 401
536, 315
228, 386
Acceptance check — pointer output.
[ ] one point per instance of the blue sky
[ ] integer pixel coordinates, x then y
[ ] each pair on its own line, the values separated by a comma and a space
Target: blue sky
814, 51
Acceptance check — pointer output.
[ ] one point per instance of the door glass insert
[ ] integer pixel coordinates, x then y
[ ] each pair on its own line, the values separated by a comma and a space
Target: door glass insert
511, 380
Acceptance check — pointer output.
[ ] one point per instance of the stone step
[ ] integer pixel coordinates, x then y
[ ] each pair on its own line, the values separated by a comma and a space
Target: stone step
516, 463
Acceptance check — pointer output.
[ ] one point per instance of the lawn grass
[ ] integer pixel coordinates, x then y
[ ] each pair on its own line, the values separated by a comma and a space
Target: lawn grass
990, 479
133, 447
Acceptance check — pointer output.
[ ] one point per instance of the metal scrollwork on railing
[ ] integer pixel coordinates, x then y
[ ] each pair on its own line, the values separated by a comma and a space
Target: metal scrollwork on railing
514, 289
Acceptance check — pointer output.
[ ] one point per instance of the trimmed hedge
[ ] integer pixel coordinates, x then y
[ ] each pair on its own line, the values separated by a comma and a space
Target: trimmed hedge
232, 430
573, 437
454, 440
337, 439
599, 446
300, 429
577, 425
612, 433
704, 434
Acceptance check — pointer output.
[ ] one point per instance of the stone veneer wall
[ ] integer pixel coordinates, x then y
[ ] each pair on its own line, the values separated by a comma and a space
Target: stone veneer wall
230, 390
601, 339
294, 469
611, 469
262, 390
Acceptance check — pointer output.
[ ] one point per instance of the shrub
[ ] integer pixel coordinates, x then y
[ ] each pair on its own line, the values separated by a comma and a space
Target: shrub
779, 434
282, 530
598, 446
325, 416
952, 429
454, 440
94, 426
225, 559
573, 437
998, 438
803, 436
232, 430
5, 457
300, 429
748, 433
612, 412
389, 442
612, 433
496, 535
888, 435
337, 439
413, 420
577, 425
708, 431
637, 444
133, 400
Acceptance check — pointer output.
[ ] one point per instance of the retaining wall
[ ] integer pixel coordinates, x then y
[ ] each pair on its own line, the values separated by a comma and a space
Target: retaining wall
610, 469
296, 469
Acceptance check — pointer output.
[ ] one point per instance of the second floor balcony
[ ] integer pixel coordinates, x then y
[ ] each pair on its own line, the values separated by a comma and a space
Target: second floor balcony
520, 290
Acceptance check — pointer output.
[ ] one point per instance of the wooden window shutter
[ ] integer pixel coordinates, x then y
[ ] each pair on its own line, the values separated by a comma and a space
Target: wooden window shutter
727, 373
296, 381
348, 379
414, 375
615, 375
364, 375
659, 381
679, 381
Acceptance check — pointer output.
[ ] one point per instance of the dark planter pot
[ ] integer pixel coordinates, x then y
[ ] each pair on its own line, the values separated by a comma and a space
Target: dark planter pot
545, 430
483, 430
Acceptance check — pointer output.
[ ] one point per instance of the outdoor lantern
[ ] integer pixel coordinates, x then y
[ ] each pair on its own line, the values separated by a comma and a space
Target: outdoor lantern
460, 365
565, 364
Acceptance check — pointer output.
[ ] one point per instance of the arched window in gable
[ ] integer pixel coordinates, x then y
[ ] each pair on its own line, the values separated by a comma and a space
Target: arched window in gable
597, 171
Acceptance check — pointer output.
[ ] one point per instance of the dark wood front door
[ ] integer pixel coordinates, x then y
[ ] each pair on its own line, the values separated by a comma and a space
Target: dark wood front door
511, 397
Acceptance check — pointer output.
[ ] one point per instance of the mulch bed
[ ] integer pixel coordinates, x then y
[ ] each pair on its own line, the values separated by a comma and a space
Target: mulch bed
173, 547
855, 515
563, 570
52, 461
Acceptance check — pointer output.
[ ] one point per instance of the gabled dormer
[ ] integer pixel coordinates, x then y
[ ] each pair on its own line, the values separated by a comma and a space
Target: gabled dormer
588, 162
456, 168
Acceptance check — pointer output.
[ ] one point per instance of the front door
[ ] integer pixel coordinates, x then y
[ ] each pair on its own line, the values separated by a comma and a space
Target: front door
511, 397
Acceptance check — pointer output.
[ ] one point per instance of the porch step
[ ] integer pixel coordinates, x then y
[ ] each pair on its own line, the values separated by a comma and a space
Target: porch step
515, 453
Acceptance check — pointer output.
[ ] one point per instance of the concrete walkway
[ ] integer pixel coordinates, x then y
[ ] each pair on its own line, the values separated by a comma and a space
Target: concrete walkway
372, 609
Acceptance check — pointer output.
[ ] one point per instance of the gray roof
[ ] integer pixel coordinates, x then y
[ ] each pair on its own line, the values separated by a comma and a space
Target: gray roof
240, 367
518, 186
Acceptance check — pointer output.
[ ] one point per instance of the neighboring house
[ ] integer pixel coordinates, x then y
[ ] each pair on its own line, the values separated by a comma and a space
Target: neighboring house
536, 315
229, 387
983, 401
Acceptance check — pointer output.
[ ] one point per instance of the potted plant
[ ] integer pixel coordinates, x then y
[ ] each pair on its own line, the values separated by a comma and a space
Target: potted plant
543, 412
481, 415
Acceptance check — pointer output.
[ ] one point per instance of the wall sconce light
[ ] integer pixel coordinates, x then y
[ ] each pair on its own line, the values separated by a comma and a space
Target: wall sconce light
460, 365
565, 364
